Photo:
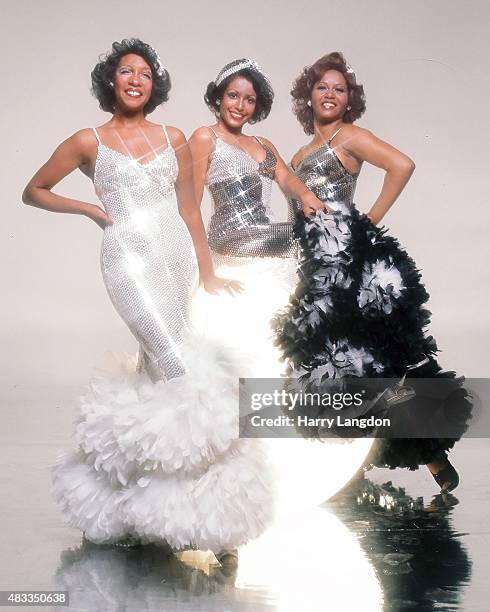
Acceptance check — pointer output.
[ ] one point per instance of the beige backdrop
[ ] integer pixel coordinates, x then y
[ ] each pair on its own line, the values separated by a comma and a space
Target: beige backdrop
424, 71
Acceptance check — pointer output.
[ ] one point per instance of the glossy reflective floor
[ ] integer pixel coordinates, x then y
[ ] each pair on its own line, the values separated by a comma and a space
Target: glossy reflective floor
386, 542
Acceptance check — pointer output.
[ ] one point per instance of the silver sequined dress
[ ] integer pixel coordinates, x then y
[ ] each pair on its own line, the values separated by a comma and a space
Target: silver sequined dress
242, 224
359, 308
147, 258
323, 173
158, 455
248, 245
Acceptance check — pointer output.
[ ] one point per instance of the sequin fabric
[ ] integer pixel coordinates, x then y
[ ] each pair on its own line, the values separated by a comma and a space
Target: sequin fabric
242, 222
147, 257
323, 173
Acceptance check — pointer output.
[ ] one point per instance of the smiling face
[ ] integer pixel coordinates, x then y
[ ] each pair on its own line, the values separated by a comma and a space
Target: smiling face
238, 103
330, 97
133, 82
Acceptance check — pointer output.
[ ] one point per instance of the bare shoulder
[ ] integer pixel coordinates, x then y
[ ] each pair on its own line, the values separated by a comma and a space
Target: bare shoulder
81, 144
203, 141
352, 135
84, 138
176, 136
203, 135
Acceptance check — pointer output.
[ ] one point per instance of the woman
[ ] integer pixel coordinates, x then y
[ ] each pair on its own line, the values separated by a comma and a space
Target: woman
358, 310
158, 456
243, 237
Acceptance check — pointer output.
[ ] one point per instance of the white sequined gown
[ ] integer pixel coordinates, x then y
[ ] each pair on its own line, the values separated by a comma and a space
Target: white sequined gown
157, 452
247, 245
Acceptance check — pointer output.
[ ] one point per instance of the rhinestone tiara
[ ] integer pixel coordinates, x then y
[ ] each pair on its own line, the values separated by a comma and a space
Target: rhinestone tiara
241, 65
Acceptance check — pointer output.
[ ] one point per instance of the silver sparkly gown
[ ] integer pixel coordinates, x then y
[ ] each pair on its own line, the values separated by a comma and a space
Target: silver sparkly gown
359, 308
247, 245
158, 455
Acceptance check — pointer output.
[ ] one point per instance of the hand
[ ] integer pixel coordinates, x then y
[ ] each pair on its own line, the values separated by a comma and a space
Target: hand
214, 285
99, 216
313, 204
375, 219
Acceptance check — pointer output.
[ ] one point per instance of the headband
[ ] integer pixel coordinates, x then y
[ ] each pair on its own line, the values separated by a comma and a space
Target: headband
242, 64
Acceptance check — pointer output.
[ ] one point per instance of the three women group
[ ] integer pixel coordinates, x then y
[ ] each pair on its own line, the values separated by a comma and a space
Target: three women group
158, 457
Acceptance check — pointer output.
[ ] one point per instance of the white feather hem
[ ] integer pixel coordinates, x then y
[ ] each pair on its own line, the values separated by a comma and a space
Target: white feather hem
164, 462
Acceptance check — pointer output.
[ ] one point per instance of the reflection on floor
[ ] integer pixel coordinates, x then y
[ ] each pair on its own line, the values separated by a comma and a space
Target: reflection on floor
139, 578
419, 559
417, 555
374, 547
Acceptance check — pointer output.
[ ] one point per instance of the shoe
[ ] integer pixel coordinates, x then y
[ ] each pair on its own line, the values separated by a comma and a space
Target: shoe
447, 478
398, 393
401, 392
223, 554
228, 560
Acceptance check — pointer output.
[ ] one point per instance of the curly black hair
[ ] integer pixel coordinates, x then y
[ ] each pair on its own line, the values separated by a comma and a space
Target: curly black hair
103, 74
304, 84
260, 83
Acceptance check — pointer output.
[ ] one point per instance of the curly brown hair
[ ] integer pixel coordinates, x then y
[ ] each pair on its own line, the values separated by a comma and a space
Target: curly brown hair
103, 74
304, 84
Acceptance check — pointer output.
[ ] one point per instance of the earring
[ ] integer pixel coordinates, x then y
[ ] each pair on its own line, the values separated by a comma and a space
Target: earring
218, 102
349, 107
111, 83
308, 103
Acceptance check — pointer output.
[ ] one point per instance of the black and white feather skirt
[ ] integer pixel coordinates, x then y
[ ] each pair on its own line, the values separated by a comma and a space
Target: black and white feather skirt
359, 311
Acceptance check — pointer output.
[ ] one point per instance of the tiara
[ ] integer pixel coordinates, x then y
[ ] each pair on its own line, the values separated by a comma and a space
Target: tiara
241, 65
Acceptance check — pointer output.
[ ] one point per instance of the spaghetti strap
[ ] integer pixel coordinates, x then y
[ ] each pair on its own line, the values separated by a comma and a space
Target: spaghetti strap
125, 146
212, 130
266, 148
96, 135
333, 136
164, 128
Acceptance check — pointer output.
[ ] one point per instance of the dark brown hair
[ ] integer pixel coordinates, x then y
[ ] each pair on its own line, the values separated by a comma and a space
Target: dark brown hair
261, 85
304, 84
103, 74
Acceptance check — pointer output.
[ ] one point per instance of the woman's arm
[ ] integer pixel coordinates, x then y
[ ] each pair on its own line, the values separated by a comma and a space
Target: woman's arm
191, 214
293, 187
73, 153
365, 146
201, 144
